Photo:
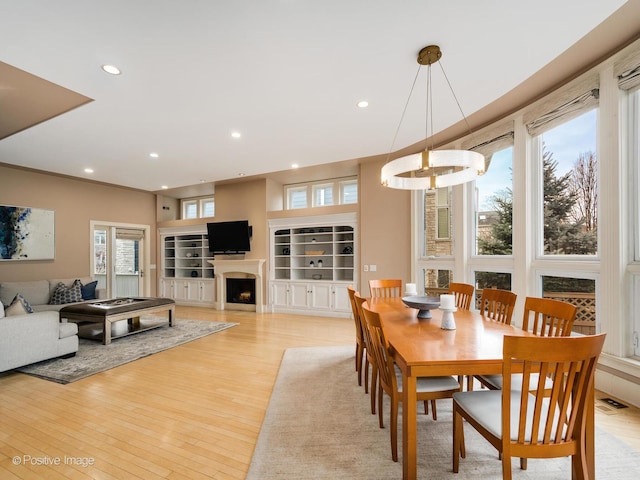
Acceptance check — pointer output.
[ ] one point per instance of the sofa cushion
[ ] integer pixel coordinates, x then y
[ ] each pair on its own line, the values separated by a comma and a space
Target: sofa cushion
64, 294
1, 310
53, 283
89, 290
36, 291
19, 306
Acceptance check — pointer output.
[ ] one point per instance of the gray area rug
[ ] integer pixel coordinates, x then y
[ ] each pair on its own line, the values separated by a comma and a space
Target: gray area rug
93, 357
319, 426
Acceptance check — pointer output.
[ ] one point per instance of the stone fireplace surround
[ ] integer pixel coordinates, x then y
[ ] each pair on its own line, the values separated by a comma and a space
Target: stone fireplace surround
238, 268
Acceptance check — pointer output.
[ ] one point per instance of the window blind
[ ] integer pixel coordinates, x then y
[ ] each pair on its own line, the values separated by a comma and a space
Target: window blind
628, 71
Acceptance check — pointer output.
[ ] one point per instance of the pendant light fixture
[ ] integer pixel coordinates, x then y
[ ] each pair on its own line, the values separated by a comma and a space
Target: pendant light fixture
432, 168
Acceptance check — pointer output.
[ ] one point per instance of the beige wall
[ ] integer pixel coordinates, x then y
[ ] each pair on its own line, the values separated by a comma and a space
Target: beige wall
384, 219
385, 228
75, 203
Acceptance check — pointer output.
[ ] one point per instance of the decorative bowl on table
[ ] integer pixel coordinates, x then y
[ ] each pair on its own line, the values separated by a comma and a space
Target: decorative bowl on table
422, 303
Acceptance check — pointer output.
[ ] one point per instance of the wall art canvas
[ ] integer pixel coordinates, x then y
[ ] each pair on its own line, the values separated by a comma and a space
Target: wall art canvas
26, 233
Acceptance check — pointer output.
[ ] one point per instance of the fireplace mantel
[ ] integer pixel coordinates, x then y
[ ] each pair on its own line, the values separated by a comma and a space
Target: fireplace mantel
225, 268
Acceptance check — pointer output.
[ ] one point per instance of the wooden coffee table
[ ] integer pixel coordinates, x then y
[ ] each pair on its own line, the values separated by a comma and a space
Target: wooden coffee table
107, 312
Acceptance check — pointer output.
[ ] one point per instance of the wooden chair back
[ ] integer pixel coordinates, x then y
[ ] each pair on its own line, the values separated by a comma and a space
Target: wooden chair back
379, 351
547, 317
497, 305
385, 288
551, 421
463, 293
358, 324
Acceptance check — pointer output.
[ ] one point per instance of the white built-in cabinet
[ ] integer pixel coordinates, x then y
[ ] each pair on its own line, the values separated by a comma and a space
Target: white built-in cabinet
312, 261
187, 275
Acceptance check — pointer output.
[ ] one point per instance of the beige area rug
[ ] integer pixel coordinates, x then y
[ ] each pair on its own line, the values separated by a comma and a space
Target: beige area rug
94, 357
319, 426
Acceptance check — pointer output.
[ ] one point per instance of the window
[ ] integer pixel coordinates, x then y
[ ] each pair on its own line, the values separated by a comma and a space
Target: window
442, 214
348, 192
580, 292
207, 207
296, 197
321, 194
494, 206
190, 209
198, 208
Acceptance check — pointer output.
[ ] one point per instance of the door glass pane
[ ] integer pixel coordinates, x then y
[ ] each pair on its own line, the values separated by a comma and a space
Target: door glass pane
100, 257
580, 292
570, 185
127, 267
494, 206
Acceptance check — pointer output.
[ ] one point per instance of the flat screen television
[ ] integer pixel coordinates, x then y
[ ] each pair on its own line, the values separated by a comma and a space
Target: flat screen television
229, 237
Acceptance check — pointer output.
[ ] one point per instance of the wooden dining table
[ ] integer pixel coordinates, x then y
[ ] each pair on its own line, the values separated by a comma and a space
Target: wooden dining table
421, 348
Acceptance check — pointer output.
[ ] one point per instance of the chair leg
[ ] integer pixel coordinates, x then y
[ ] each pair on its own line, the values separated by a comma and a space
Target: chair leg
394, 429
506, 467
359, 353
366, 375
469, 383
426, 407
523, 463
374, 384
457, 433
380, 409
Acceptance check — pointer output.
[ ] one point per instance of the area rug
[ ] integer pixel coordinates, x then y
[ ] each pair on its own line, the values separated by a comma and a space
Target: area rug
93, 357
319, 425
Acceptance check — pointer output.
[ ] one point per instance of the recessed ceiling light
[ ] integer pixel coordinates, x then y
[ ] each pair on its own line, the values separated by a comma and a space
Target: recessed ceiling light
363, 104
88, 170
154, 155
111, 69
164, 187
236, 134
294, 165
241, 174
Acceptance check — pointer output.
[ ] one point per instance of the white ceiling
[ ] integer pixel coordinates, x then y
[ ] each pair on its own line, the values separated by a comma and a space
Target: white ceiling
287, 74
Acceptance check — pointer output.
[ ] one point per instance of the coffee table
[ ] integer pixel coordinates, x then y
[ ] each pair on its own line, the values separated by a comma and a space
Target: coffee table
107, 312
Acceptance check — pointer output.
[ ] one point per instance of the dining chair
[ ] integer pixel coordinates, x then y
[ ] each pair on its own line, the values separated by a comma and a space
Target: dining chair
429, 389
360, 345
385, 287
497, 305
543, 317
538, 424
463, 293
368, 350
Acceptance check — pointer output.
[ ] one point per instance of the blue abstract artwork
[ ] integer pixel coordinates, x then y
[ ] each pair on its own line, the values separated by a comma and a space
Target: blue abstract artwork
26, 233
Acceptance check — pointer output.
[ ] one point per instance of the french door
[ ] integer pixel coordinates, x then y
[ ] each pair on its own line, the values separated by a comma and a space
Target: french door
120, 258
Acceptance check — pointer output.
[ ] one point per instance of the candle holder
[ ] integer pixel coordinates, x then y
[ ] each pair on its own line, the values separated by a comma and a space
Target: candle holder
448, 322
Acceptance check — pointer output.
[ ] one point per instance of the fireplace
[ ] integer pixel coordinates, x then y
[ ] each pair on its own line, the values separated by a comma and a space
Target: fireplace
241, 290
239, 269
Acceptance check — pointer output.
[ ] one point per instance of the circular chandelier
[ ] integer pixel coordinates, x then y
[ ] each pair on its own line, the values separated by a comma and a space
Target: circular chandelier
432, 169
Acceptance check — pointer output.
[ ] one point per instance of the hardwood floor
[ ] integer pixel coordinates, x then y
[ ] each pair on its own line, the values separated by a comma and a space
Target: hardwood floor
191, 412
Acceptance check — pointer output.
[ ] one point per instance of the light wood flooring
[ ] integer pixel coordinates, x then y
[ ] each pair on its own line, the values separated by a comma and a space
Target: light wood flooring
191, 412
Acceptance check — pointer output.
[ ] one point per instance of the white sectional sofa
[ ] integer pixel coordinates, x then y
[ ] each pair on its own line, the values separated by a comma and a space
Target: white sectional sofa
33, 337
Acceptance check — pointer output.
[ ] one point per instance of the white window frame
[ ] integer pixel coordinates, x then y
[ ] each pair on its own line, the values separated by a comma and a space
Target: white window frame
199, 204
310, 188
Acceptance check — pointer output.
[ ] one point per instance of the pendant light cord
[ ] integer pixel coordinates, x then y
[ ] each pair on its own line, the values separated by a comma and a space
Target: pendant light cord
404, 111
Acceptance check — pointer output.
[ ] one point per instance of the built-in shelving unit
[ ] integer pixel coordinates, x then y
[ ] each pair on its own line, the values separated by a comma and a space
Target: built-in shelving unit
186, 274
185, 256
313, 260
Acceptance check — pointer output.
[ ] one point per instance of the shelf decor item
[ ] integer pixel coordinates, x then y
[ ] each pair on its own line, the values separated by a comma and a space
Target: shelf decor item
315, 253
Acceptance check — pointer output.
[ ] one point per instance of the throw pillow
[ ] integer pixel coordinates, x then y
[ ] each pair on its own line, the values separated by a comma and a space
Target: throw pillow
1, 310
89, 290
19, 306
63, 294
